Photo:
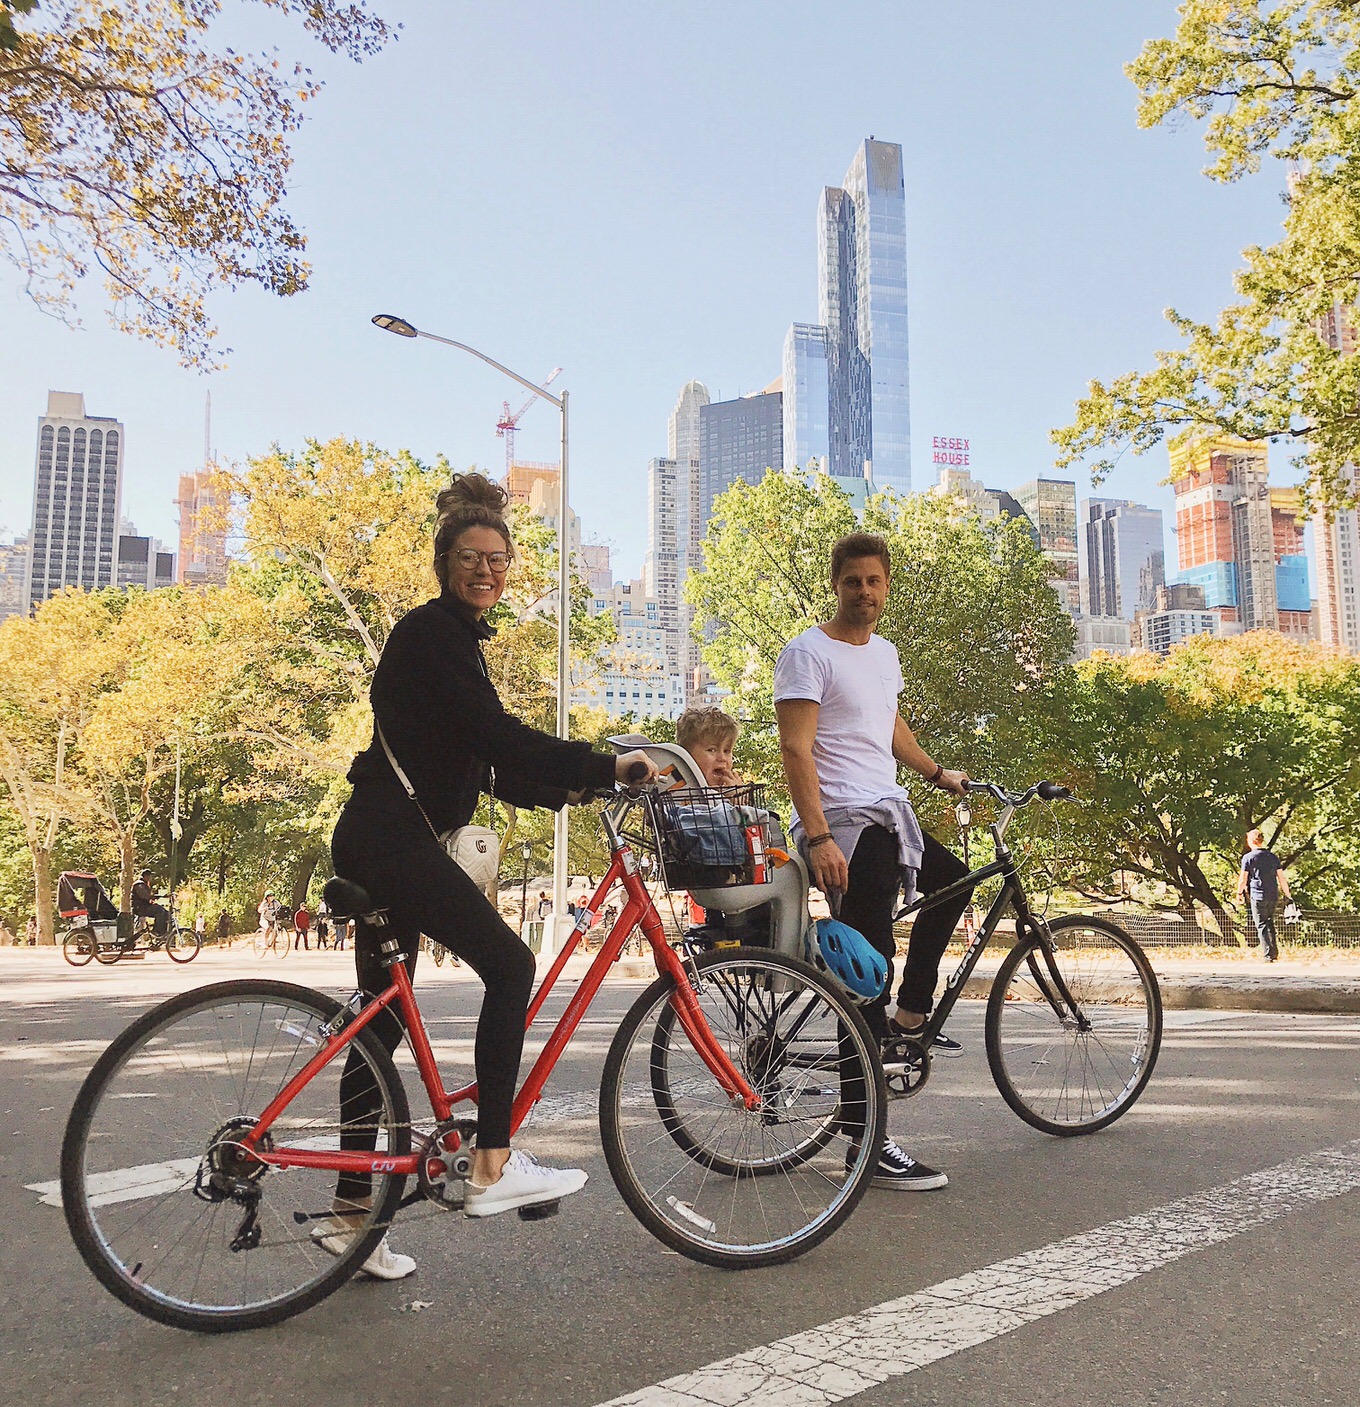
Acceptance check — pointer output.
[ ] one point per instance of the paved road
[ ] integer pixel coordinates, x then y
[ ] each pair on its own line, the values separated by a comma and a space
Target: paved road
1243, 1296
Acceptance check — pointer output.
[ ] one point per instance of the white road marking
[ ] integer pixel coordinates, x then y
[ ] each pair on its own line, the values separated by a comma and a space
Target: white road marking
849, 1356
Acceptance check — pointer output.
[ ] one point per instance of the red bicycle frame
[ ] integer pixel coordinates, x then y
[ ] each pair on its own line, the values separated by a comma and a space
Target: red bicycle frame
638, 911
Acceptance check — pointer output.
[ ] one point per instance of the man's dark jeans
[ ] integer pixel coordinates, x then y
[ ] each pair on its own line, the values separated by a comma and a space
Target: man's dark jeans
869, 903
1263, 915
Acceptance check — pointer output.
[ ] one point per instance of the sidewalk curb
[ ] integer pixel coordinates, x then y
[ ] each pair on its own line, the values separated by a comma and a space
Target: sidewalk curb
1335, 999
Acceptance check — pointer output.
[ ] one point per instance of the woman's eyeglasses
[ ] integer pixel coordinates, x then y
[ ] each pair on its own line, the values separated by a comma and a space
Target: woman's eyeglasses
469, 557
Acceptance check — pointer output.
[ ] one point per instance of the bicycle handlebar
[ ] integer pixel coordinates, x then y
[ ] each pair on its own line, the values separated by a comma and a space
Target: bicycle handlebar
1045, 791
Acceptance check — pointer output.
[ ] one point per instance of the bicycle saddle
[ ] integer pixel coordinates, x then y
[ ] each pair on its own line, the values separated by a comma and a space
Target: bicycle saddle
347, 900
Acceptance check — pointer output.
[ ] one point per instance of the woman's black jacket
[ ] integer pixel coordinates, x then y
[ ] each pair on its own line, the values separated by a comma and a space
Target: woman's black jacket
443, 720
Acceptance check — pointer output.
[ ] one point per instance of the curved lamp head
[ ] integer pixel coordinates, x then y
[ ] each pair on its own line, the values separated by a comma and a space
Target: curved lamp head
389, 322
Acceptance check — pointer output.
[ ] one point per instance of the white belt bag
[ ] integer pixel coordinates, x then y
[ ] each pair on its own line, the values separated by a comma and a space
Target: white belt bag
474, 849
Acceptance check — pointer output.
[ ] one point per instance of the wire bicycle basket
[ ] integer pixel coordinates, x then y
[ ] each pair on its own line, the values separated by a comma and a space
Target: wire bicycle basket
706, 837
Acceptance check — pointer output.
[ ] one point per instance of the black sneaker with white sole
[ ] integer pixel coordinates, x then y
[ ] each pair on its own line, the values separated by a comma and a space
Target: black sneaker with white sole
901, 1171
941, 1045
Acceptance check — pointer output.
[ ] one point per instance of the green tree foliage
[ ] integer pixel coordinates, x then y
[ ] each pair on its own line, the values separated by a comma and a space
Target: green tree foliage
1268, 80
980, 632
134, 144
1177, 758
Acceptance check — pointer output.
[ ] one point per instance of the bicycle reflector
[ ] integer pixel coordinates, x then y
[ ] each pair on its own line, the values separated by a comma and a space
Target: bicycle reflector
846, 955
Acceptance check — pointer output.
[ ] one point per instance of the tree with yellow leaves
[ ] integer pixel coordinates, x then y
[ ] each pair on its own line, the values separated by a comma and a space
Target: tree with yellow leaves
135, 144
53, 667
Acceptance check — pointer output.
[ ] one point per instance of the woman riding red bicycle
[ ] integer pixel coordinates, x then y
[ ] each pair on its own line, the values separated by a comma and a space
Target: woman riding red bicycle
441, 738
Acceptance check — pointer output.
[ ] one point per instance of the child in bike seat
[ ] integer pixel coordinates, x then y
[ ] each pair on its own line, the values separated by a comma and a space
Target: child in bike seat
709, 736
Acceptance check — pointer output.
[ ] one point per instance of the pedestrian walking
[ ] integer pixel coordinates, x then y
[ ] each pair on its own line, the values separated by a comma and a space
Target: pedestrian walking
302, 925
224, 928
1260, 879
201, 927
323, 927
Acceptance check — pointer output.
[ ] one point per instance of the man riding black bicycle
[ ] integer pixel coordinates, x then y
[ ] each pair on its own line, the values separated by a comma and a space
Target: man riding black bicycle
144, 906
835, 693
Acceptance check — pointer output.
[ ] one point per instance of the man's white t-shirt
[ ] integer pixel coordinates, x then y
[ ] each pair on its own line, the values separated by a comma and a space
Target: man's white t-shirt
856, 687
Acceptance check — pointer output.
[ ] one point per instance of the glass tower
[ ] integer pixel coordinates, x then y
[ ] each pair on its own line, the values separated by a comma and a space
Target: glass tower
862, 299
807, 442
1122, 556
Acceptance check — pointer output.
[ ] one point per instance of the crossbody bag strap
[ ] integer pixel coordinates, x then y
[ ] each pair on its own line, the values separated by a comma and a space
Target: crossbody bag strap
402, 777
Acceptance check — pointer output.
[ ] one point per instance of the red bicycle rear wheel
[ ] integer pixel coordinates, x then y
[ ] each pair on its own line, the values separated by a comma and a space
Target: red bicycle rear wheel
167, 1212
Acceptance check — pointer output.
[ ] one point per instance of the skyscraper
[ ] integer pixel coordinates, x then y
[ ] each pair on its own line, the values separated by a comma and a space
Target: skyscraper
77, 496
144, 562
738, 440
807, 434
862, 301
1122, 556
1051, 506
1338, 567
203, 505
1239, 539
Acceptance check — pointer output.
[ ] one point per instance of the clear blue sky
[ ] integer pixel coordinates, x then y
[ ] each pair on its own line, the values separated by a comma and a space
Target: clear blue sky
630, 190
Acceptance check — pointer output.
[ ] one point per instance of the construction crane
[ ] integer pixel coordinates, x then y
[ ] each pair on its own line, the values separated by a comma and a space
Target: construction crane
508, 424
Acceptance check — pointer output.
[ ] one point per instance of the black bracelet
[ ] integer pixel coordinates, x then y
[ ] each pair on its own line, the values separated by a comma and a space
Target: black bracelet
816, 840
939, 772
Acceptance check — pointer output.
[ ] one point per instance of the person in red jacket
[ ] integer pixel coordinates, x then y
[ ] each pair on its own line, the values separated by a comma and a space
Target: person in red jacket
302, 923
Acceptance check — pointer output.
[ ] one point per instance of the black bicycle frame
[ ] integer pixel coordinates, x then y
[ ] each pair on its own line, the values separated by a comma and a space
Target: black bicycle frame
1011, 896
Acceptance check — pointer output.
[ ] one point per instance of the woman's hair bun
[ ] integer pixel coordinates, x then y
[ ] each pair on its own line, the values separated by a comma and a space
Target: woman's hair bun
472, 491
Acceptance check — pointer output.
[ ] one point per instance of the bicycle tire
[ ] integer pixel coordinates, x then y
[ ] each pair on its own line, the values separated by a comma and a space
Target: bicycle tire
183, 944
109, 953
79, 946
304, 1273
726, 1172
1062, 1075
283, 943
261, 942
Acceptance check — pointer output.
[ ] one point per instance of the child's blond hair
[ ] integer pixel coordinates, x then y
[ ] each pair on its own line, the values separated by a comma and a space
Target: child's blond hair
705, 725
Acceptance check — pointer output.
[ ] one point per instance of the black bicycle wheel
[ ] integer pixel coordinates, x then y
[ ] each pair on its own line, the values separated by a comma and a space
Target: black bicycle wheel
720, 1183
79, 946
183, 944
165, 1214
1073, 1030
109, 952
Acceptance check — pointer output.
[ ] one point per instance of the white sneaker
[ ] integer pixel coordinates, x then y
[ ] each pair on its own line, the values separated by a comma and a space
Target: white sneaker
383, 1262
525, 1182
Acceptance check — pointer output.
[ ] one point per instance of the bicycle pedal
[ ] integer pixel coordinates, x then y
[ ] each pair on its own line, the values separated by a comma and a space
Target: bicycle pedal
539, 1211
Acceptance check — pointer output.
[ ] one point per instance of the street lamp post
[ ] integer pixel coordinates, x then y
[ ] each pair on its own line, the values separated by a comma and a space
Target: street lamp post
390, 323
526, 850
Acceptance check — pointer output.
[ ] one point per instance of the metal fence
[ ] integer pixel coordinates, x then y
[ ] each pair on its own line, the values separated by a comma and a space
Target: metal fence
1314, 928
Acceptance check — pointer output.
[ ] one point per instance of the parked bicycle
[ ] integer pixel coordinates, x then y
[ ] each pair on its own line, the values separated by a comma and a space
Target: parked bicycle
1074, 1019
742, 1109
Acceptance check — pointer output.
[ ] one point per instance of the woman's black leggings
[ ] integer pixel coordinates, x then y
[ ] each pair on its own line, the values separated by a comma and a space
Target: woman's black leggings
868, 905
405, 870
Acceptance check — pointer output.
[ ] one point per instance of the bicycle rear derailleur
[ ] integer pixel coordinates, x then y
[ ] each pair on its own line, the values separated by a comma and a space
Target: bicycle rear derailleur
906, 1066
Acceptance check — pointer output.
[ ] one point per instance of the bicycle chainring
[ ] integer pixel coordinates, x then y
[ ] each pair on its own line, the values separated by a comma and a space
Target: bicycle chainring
906, 1066
446, 1161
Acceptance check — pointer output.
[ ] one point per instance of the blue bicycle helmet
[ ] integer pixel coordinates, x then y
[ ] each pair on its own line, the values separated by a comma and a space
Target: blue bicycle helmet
847, 956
